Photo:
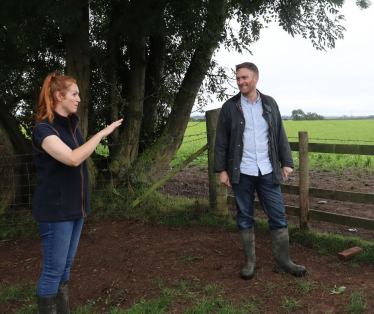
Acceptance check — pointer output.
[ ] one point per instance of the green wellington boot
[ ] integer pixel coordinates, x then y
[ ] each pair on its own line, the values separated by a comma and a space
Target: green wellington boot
248, 242
47, 305
281, 250
63, 298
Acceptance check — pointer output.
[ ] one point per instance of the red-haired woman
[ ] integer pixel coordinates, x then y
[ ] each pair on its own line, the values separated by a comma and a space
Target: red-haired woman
61, 199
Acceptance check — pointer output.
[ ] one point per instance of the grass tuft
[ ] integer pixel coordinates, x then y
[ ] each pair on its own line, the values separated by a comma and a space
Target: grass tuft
357, 304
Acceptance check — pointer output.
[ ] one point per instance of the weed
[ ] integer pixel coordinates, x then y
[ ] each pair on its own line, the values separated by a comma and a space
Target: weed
304, 287
156, 306
187, 258
291, 305
31, 309
356, 265
324, 287
268, 290
357, 304
368, 162
85, 309
158, 282
249, 306
22, 292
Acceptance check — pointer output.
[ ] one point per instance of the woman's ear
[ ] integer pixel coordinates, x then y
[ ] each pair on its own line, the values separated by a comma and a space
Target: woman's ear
58, 96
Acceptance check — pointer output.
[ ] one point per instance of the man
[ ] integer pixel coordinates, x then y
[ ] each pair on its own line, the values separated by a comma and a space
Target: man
251, 152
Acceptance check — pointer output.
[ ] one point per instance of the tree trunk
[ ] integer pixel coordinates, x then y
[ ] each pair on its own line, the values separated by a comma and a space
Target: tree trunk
11, 127
113, 57
133, 114
15, 157
77, 45
152, 163
154, 75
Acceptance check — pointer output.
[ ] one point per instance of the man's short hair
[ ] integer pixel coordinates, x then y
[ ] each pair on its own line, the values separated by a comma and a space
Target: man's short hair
248, 65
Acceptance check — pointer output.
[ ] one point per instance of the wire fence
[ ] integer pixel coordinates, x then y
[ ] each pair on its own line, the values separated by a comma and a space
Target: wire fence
18, 182
18, 179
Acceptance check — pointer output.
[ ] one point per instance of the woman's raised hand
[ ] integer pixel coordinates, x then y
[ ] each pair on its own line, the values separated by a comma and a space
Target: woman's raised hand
110, 128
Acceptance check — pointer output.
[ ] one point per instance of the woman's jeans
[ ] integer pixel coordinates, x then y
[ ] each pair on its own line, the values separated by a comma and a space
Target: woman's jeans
60, 241
270, 197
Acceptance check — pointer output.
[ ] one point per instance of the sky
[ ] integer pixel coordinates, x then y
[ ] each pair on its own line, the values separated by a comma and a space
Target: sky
335, 82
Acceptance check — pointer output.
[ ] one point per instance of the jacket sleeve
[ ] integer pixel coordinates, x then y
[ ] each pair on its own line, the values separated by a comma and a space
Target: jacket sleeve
222, 142
284, 149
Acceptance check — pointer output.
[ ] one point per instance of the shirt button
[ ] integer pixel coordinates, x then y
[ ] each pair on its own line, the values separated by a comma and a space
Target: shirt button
239, 145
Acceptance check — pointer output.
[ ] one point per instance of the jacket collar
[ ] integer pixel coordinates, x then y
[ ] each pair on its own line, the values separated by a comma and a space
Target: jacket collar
265, 104
72, 120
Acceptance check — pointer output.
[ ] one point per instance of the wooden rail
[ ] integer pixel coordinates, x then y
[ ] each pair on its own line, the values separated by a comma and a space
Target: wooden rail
336, 148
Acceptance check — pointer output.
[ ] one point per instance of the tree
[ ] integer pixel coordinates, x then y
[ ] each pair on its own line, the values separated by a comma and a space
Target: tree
313, 116
298, 114
149, 61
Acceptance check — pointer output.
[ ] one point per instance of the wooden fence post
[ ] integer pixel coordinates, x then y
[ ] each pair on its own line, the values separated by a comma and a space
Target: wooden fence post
217, 191
304, 181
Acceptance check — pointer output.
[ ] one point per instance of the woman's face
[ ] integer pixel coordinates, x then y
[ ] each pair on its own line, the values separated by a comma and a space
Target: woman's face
69, 104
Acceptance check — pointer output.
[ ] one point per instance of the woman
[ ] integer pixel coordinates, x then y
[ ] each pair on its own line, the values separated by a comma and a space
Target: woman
62, 194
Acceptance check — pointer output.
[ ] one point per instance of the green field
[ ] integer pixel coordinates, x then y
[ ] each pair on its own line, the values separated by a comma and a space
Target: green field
359, 132
333, 131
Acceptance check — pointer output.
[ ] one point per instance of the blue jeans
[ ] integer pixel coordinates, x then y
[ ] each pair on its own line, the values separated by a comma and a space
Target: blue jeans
270, 197
60, 242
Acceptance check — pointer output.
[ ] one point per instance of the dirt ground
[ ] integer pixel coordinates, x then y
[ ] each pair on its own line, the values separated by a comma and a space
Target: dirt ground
118, 262
194, 183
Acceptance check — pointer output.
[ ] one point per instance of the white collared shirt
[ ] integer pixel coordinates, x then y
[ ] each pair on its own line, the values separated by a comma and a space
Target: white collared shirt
255, 139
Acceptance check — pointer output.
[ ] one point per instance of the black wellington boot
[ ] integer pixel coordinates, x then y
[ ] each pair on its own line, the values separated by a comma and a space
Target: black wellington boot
281, 250
47, 305
248, 242
63, 298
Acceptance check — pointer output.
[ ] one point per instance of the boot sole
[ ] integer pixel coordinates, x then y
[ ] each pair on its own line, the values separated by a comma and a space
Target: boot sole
247, 277
301, 274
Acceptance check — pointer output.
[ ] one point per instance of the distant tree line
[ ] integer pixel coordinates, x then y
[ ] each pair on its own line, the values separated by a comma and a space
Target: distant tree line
197, 119
298, 114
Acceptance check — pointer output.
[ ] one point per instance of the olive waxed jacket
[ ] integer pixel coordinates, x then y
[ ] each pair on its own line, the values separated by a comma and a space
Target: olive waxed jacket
228, 151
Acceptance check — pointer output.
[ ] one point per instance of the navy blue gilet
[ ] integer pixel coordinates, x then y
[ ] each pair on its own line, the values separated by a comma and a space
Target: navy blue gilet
62, 191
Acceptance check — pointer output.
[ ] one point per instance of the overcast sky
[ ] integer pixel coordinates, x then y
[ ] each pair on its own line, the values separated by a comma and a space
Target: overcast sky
337, 82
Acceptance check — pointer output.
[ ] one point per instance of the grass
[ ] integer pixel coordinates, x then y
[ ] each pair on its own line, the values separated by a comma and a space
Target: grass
21, 294
208, 299
194, 139
196, 299
331, 244
357, 303
324, 131
290, 304
189, 256
304, 287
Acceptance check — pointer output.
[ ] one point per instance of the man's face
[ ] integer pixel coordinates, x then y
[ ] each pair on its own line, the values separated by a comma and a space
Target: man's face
246, 80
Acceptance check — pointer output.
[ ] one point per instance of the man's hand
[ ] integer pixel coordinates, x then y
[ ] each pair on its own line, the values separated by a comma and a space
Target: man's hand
287, 171
224, 178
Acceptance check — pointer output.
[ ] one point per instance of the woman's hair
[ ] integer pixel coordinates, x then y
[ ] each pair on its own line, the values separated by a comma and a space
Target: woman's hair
53, 83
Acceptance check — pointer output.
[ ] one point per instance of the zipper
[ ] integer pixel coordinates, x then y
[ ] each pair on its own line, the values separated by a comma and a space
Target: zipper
82, 176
